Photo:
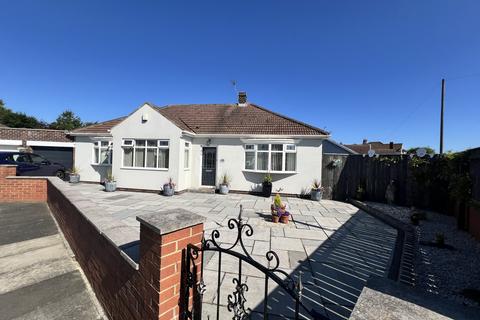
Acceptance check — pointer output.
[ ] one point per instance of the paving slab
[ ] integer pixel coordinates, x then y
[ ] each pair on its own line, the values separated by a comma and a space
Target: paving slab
38, 277
333, 245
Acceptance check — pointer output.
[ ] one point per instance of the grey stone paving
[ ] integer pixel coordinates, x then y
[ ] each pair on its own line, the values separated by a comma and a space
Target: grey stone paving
335, 246
38, 277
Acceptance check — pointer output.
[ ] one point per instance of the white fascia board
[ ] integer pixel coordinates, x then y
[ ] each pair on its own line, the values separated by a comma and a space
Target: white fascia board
11, 142
260, 136
50, 144
272, 140
87, 134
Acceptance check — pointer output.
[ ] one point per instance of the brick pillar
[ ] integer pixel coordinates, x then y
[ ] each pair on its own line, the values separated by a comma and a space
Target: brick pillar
163, 238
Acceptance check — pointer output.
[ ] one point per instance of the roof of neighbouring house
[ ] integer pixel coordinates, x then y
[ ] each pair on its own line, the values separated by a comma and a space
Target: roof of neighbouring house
3, 126
34, 134
222, 119
102, 127
377, 146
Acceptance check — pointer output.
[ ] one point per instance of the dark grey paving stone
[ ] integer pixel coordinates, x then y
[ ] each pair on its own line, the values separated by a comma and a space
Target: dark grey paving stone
25, 221
62, 291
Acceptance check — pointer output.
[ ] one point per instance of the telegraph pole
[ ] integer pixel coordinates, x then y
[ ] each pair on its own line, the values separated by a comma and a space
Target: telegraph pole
441, 116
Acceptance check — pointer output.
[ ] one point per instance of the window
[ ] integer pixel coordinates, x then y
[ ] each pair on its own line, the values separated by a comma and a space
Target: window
102, 152
145, 153
250, 157
36, 159
186, 156
273, 157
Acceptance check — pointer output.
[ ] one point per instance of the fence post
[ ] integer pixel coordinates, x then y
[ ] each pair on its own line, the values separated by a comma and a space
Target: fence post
163, 238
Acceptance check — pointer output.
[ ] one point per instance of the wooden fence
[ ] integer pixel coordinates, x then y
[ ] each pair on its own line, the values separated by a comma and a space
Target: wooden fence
342, 175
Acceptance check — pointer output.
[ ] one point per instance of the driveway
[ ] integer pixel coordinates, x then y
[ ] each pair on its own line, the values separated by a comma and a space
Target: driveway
336, 246
38, 277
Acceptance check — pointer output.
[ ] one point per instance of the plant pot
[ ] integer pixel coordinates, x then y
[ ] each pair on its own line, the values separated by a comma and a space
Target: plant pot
316, 195
168, 190
223, 189
74, 178
110, 186
266, 190
284, 219
275, 218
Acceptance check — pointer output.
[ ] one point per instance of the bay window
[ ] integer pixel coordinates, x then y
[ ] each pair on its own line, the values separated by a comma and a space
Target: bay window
102, 152
145, 153
274, 157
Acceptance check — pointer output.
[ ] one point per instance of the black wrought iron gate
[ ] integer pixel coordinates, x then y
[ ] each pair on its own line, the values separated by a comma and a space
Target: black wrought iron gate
195, 286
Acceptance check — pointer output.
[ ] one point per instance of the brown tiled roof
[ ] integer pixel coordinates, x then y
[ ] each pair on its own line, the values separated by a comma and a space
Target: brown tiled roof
233, 119
222, 119
102, 127
34, 134
379, 147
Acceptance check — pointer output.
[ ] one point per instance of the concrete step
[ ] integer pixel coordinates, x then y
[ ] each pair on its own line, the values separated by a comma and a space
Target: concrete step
203, 190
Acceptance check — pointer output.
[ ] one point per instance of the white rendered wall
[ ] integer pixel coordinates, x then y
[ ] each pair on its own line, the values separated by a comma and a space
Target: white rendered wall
156, 127
231, 160
84, 158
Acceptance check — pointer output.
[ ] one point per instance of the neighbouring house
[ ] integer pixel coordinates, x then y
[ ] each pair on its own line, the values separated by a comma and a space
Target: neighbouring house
196, 144
334, 148
380, 148
55, 145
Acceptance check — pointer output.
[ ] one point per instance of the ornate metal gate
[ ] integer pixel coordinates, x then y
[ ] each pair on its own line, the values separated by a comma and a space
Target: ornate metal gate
195, 287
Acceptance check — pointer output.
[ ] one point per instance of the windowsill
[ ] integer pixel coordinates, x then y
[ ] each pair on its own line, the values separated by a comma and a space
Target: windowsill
144, 169
271, 172
186, 169
101, 165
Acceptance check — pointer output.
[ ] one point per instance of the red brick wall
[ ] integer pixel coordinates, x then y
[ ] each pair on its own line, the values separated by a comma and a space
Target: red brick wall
21, 189
153, 291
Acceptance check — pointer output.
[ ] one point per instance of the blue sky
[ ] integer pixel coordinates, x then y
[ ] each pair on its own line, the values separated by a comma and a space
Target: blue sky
360, 69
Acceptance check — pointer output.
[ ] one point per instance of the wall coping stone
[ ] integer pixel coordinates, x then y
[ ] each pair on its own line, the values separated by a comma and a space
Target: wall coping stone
8, 165
29, 177
168, 221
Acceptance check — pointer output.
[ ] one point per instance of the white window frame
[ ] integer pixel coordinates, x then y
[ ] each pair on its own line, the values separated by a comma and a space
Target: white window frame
96, 152
253, 148
187, 151
131, 143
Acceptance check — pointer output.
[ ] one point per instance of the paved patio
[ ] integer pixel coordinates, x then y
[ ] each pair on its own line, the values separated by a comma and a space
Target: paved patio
336, 246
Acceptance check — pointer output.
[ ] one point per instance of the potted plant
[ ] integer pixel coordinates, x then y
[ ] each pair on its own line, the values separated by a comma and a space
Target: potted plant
224, 184
317, 190
277, 204
279, 210
169, 188
110, 183
360, 193
285, 216
74, 175
267, 186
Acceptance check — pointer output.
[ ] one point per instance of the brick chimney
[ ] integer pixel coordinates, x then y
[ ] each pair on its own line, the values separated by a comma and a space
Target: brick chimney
364, 141
391, 145
242, 99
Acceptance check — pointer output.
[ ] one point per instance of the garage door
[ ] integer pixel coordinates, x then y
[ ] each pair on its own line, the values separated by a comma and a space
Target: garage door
56, 154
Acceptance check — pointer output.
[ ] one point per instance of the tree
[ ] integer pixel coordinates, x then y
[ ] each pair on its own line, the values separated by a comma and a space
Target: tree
428, 149
67, 120
18, 119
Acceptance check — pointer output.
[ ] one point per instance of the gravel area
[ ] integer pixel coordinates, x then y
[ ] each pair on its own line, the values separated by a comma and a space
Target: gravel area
443, 271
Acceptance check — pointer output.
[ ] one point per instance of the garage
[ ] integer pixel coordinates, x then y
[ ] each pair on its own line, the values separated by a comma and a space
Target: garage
62, 155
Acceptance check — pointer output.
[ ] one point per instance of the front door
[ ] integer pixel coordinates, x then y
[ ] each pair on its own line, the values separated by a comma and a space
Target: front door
209, 165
